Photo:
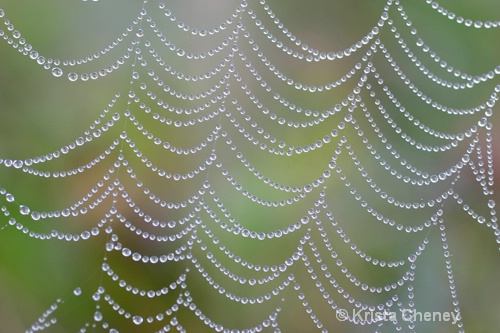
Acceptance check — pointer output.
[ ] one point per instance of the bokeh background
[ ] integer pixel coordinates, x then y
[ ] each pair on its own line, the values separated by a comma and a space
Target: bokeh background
40, 113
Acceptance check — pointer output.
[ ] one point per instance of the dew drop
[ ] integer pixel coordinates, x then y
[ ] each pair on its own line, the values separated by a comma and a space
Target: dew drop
9, 197
33, 55
35, 216
97, 316
483, 121
18, 164
137, 320
72, 76
491, 204
24, 210
57, 72
77, 291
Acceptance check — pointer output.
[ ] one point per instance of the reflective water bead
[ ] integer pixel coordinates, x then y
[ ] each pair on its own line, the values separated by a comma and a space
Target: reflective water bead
9, 197
97, 316
57, 72
24, 210
491, 204
72, 76
34, 55
77, 291
18, 164
137, 320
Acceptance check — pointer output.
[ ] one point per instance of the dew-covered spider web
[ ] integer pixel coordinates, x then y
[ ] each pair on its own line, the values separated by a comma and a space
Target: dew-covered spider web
252, 166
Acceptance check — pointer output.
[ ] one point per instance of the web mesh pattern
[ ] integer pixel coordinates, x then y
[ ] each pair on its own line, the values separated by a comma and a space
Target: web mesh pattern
236, 179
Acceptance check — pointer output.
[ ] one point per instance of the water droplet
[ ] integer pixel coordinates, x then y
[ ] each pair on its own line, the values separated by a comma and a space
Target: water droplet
24, 210
57, 72
491, 204
72, 76
35, 216
137, 320
96, 296
97, 316
77, 291
9, 197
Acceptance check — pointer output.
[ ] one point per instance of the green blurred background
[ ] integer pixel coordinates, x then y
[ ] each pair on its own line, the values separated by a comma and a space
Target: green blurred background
39, 114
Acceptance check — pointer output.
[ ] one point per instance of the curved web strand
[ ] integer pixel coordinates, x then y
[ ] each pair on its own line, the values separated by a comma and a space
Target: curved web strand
472, 80
461, 20
314, 54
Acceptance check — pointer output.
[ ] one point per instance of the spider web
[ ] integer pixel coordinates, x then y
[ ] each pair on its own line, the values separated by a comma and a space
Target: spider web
219, 173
